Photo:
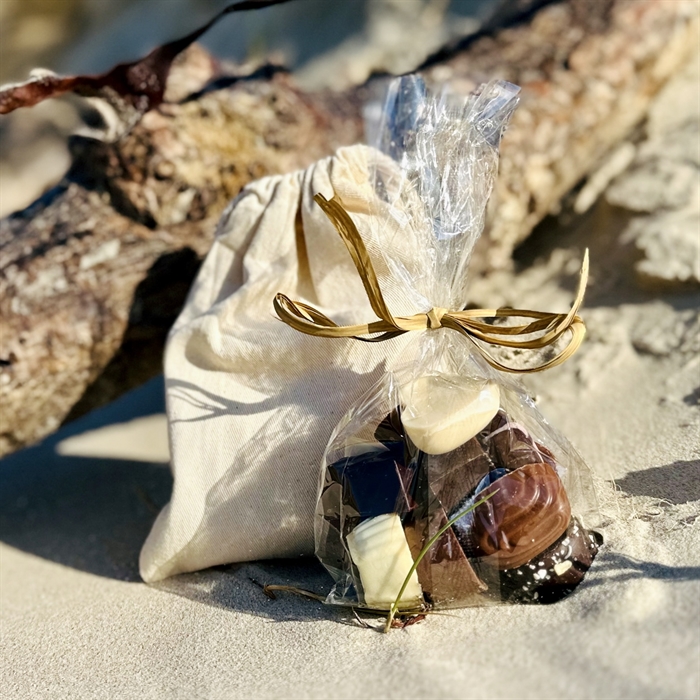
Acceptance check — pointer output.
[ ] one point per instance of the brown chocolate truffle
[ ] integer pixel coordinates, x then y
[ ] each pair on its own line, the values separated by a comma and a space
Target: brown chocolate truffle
528, 512
511, 446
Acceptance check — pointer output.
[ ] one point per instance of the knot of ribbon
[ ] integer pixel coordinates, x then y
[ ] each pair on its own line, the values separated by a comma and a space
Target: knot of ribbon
546, 328
435, 317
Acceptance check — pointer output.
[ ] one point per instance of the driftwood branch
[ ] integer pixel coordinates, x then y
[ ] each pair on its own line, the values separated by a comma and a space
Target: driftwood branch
94, 273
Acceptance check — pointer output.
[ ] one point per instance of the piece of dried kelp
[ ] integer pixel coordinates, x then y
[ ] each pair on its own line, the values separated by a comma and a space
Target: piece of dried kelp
131, 88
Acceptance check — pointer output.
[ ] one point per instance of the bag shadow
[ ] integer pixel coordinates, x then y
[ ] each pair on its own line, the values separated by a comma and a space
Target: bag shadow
93, 514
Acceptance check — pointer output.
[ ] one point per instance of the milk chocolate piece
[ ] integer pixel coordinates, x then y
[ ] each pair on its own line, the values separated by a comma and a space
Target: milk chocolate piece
554, 573
454, 475
528, 512
511, 446
445, 575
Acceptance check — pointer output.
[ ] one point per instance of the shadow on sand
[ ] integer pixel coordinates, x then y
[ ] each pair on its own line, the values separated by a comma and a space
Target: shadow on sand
89, 513
93, 514
613, 567
677, 482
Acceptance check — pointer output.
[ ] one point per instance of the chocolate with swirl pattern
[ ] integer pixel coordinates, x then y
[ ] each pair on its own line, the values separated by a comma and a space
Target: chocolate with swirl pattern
528, 512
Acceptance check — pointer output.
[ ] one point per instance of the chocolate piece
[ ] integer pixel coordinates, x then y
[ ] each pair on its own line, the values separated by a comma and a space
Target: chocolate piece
441, 412
454, 475
445, 574
356, 488
368, 485
390, 429
554, 573
466, 522
511, 446
527, 513
381, 554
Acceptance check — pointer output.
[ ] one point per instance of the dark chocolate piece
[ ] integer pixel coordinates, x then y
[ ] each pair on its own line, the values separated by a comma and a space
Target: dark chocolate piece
455, 474
445, 574
511, 446
368, 484
554, 573
528, 512
356, 488
391, 431
391, 428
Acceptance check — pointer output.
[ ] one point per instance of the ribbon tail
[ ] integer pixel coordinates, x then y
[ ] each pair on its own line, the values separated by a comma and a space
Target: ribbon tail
578, 332
580, 293
347, 230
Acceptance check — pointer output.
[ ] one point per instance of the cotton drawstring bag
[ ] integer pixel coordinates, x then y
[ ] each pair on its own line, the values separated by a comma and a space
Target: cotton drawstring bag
251, 402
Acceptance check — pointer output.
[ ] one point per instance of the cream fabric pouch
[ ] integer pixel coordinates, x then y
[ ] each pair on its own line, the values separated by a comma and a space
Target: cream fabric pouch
251, 403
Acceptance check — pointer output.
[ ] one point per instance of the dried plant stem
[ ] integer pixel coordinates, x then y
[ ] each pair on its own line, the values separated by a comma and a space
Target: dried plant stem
394, 608
270, 588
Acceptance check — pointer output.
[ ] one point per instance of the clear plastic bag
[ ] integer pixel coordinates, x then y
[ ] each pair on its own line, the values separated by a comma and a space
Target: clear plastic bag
444, 438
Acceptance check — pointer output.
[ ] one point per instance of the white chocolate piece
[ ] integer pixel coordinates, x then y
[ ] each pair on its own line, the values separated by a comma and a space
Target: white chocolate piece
380, 552
440, 413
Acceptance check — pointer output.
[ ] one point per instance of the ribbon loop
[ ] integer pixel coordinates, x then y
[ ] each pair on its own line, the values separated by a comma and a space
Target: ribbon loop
547, 328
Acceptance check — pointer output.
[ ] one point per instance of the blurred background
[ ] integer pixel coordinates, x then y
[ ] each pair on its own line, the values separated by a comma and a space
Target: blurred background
327, 44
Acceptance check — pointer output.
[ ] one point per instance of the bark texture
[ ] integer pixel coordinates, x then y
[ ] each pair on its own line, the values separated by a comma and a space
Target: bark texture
94, 273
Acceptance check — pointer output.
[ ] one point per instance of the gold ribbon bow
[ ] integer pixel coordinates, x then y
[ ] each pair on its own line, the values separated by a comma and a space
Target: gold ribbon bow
549, 327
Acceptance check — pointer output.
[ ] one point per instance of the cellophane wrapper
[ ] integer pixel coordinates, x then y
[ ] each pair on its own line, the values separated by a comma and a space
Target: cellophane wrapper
442, 430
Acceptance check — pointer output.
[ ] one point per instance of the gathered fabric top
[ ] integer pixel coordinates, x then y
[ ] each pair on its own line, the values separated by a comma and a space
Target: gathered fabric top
547, 328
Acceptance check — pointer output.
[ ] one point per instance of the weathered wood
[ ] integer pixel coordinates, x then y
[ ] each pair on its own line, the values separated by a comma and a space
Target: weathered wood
94, 273
589, 71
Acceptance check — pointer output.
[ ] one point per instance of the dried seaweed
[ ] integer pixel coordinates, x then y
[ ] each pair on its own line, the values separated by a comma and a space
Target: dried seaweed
136, 87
